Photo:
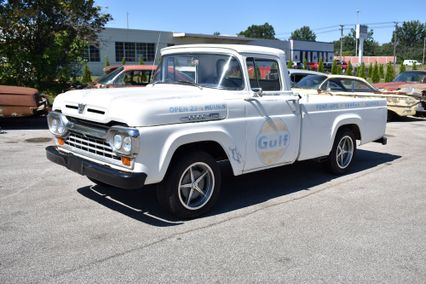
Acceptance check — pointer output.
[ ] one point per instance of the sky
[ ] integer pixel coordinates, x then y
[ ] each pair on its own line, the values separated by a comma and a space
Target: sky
231, 17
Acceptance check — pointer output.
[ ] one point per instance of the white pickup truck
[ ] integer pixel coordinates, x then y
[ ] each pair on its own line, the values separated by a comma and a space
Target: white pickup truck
206, 103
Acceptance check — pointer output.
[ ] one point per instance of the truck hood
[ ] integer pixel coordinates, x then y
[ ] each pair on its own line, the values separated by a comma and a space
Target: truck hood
151, 105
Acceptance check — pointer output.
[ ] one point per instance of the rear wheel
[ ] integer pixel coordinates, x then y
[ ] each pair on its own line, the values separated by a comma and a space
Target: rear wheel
343, 152
192, 185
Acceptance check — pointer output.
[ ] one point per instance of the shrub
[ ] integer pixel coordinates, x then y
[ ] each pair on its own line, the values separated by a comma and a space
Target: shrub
381, 71
401, 68
334, 67
349, 70
390, 72
87, 75
375, 77
321, 66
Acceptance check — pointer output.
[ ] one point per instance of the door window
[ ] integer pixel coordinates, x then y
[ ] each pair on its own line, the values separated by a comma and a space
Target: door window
264, 73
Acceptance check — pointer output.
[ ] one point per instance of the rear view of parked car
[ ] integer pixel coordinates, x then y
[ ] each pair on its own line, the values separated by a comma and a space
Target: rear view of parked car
21, 101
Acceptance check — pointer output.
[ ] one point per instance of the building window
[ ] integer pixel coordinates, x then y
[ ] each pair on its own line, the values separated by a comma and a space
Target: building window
91, 53
132, 51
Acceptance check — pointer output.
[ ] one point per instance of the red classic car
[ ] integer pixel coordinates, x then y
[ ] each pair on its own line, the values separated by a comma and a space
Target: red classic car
412, 83
21, 101
408, 79
126, 76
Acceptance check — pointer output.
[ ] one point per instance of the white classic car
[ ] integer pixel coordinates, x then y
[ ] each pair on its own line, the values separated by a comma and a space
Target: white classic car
236, 105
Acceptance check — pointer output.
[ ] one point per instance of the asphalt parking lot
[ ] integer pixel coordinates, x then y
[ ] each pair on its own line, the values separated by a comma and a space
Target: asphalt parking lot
292, 224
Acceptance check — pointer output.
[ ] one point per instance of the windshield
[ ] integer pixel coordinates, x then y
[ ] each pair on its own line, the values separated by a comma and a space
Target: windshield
107, 79
411, 77
205, 70
310, 82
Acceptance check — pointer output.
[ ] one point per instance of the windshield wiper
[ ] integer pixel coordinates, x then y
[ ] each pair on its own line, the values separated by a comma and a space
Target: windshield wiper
188, 83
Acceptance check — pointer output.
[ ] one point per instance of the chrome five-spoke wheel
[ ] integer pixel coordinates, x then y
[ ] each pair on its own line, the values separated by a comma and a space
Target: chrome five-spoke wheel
191, 186
196, 186
345, 151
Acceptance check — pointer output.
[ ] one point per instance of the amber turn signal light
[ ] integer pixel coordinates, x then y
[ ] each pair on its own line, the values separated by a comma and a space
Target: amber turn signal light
126, 161
60, 141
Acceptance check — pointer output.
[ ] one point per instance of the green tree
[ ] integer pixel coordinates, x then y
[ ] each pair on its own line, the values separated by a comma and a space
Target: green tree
381, 71
265, 31
390, 72
41, 41
339, 70
290, 64
123, 60
375, 78
334, 67
87, 75
141, 62
321, 65
361, 71
349, 70
303, 33
409, 36
106, 61
414, 66
401, 68
370, 70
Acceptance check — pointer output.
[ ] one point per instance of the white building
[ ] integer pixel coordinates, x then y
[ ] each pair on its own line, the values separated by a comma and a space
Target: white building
115, 44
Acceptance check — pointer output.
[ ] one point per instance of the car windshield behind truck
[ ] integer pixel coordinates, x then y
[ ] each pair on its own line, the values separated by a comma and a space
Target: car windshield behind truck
310, 82
205, 70
411, 77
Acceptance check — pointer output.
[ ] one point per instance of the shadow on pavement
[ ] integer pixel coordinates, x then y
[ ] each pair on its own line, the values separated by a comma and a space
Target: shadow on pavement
237, 192
18, 123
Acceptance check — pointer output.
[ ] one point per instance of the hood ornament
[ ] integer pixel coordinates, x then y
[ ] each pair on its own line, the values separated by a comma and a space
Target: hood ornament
81, 108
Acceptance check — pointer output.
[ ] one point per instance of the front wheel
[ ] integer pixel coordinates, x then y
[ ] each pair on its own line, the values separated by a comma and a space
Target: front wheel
191, 186
343, 152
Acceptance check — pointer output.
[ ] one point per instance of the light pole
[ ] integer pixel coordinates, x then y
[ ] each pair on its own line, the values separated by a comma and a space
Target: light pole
356, 40
424, 47
395, 42
341, 38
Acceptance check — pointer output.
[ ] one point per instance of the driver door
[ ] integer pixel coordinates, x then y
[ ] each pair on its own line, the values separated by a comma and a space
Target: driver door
273, 119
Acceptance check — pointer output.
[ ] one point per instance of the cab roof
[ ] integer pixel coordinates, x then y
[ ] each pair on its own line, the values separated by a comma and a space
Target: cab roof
239, 48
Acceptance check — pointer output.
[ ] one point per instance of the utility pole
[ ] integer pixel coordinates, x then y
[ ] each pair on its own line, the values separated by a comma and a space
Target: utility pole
356, 40
341, 43
424, 47
395, 42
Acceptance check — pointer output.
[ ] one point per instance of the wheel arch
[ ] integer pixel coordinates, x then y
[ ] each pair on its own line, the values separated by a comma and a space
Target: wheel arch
215, 143
351, 122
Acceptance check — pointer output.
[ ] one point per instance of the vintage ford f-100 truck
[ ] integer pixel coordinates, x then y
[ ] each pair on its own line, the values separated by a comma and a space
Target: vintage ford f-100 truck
206, 103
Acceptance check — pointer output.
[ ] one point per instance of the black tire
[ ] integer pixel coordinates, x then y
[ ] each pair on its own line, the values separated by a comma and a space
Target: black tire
391, 116
189, 197
343, 152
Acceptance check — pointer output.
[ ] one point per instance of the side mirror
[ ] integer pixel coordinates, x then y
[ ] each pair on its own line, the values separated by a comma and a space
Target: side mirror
319, 91
257, 92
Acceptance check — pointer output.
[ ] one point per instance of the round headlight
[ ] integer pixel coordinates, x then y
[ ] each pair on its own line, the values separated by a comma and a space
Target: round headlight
54, 125
127, 144
61, 127
117, 142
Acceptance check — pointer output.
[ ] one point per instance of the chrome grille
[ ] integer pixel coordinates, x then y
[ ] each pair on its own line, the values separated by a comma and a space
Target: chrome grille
87, 144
